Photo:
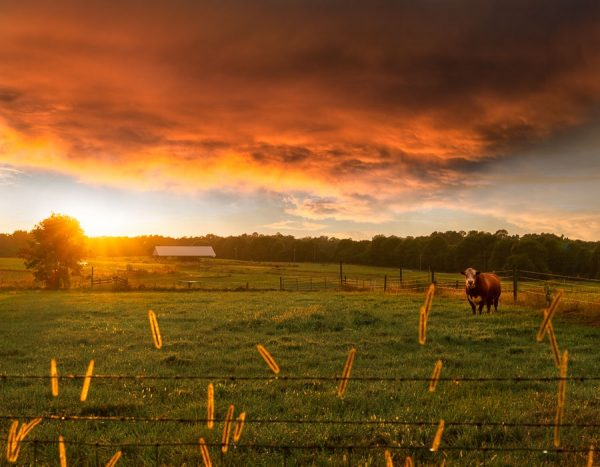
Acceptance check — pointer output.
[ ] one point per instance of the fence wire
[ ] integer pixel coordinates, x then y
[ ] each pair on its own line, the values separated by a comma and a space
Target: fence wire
397, 379
304, 421
311, 447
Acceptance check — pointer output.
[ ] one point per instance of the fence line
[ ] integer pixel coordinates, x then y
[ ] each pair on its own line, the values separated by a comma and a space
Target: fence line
566, 299
258, 421
398, 379
312, 447
573, 278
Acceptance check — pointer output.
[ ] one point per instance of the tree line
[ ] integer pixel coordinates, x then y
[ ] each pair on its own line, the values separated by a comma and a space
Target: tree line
442, 251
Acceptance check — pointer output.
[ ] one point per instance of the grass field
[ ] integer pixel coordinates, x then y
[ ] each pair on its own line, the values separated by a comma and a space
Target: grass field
213, 335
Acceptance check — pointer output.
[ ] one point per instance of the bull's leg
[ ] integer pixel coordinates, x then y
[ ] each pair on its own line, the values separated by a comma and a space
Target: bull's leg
488, 304
472, 305
496, 304
480, 306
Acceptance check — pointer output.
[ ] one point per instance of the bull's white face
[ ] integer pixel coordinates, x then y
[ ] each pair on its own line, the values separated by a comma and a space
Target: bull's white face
470, 277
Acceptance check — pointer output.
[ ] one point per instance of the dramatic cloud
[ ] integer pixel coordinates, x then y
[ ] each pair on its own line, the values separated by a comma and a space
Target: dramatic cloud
356, 110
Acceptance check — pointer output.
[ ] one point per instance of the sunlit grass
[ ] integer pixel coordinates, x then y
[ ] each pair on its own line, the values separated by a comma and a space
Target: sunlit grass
215, 334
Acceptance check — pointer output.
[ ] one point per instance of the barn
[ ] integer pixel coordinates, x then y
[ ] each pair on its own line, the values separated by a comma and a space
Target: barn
184, 251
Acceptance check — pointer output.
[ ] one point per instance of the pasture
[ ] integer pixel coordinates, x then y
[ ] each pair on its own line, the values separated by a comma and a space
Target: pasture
156, 417
219, 274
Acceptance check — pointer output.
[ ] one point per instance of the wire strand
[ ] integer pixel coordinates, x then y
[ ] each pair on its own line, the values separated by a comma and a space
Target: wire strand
118, 419
312, 447
399, 379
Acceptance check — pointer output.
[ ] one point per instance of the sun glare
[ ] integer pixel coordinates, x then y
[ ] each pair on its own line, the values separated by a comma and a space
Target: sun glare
98, 220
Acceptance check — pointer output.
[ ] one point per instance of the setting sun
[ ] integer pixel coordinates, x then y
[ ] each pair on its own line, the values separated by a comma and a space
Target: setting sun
97, 219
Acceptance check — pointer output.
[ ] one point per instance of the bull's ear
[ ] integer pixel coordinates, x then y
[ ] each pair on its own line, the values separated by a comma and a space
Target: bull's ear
462, 272
477, 273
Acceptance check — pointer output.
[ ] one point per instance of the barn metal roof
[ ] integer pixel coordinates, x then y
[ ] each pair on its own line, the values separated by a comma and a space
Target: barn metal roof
184, 251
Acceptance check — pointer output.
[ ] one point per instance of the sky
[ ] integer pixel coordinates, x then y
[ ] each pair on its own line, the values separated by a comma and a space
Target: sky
304, 117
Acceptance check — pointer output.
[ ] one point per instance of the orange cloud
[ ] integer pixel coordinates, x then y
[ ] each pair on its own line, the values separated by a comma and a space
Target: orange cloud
365, 111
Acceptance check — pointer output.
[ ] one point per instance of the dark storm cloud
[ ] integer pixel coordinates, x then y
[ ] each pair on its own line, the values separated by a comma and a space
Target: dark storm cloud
330, 97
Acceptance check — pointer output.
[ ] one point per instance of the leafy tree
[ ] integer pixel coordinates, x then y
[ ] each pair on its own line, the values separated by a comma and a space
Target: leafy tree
501, 251
56, 251
436, 253
529, 254
10, 245
475, 250
520, 261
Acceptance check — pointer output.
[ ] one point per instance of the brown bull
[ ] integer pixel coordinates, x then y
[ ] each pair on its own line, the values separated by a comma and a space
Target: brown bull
481, 288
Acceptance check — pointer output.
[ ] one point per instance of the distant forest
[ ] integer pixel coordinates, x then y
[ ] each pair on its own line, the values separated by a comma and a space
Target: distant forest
442, 251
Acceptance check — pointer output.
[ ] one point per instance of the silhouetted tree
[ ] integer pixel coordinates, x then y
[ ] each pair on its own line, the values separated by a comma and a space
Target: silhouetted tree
56, 251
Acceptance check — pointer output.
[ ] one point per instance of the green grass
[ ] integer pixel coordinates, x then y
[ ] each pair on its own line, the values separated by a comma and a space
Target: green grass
309, 335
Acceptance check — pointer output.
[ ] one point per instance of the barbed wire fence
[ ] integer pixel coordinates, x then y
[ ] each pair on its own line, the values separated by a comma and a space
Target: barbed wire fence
286, 450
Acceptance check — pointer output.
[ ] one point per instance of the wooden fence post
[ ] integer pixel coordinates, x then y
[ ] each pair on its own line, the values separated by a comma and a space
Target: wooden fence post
280, 283
92, 279
515, 284
385, 283
400, 277
341, 277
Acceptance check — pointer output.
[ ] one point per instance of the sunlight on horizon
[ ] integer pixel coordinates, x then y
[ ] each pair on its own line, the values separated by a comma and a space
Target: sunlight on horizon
99, 220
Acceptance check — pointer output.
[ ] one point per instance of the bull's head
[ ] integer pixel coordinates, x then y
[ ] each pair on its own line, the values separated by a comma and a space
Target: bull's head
470, 277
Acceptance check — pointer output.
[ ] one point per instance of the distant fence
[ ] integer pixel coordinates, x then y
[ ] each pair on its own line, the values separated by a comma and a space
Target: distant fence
116, 281
359, 283
516, 283
543, 285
